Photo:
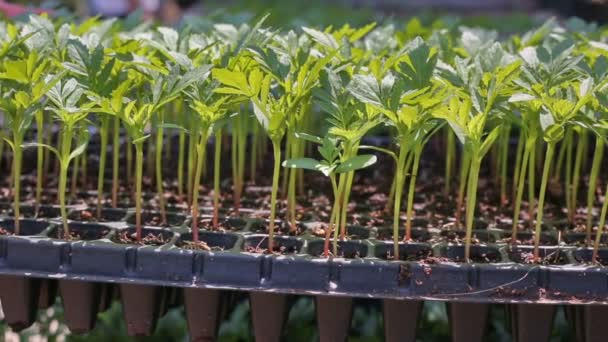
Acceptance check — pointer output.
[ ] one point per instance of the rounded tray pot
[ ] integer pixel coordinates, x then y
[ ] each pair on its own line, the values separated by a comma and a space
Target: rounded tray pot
19, 296
81, 301
401, 319
203, 313
268, 315
48, 293
142, 305
468, 321
334, 315
532, 322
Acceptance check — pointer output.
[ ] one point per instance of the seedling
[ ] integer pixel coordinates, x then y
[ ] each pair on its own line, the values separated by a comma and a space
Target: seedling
70, 109
24, 83
331, 164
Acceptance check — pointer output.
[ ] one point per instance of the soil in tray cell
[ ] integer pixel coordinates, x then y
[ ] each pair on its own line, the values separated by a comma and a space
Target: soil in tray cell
154, 219
354, 232
90, 215
27, 227
527, 238
224, 224
81, 231
479, 253
346, 249
208, 241
458, 236
280, 227
149, 236
548, 255
407, 251
282, 244
418, 234
44, 211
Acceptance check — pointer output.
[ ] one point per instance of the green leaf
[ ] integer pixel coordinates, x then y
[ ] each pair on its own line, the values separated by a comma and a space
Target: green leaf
356, 163
322, 38
302, 163
521, 97
308, 137
33, 144
78, 150
554, 133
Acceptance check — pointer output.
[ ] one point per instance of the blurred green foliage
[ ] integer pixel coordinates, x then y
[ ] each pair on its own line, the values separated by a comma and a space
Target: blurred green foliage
300, 327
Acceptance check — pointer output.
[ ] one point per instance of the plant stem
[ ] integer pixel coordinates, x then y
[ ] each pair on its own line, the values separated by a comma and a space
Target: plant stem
150, 162
83, 169
291, 191
560, 158
600, 227
568, 180
518, 161
471, 201
139, 171
532, 177
334, 212
504, 155
216, 177
410, 195
115, 159
191, 166
338, 206
449, 161
464, 172
255, 136
129, 167
235, 166
276, 148
598, 154
578, 163
75, 171
160, 133
241, 156
66, 146
349, 184
541, 196
520, 194
103, 134
180, 163
399, 180
40, 158
201, 151
17, 162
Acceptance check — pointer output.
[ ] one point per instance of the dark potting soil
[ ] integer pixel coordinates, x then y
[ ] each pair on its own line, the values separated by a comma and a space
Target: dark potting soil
227, 224
147, 238
280, 227
197, 246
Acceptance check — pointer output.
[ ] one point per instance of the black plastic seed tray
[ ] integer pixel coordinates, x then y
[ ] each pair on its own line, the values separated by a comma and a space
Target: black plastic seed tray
430, 269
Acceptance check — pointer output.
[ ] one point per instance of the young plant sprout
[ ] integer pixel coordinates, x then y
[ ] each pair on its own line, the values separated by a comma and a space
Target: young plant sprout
350, 120
407, 99
97, 74
24, 83
70, 109
210, 109
487, 84
331, 164
269, 112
